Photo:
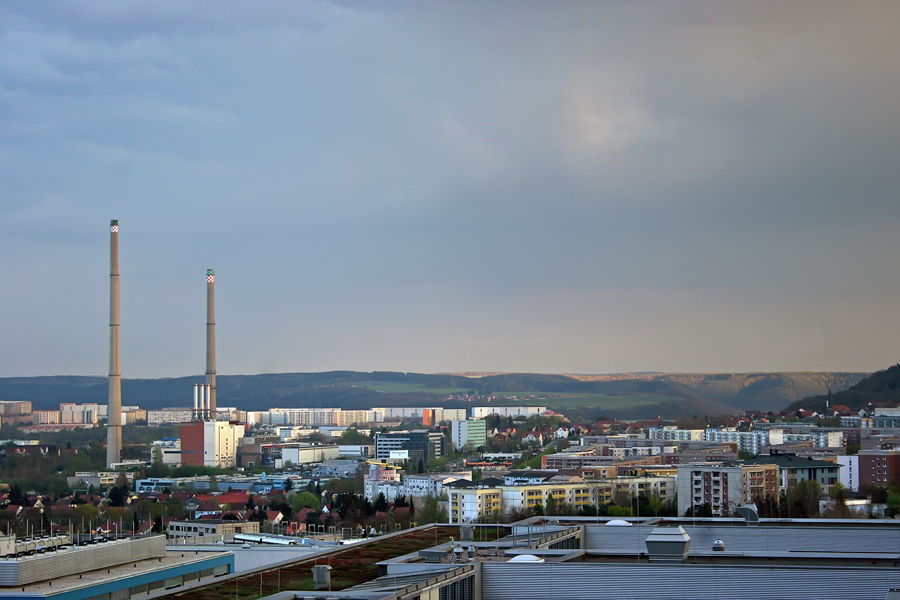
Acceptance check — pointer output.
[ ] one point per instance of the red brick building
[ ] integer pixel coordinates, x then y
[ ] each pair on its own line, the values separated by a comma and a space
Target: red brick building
879, 467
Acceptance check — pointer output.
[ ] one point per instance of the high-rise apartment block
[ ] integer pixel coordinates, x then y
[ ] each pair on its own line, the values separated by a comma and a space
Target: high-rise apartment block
471, 434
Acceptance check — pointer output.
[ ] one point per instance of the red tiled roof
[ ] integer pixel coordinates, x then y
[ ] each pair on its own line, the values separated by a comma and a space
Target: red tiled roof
234, 499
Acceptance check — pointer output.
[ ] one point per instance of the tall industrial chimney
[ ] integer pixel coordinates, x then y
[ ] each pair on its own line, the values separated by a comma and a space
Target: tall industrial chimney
211, 342
114, 426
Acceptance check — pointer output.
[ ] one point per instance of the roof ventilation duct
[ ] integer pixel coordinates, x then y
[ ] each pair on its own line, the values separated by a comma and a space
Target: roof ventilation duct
668, 544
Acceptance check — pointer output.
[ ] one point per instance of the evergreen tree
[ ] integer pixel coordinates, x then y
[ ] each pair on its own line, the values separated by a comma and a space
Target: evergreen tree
15, 495
116, 498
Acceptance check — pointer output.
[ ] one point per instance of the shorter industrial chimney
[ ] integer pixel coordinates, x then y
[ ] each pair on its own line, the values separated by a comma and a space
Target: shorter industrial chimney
201, 410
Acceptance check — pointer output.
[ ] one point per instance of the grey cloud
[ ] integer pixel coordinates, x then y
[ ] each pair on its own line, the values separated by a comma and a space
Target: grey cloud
456, 185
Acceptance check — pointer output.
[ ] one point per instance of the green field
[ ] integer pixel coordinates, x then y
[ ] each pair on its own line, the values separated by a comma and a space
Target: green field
561, 401
396, 387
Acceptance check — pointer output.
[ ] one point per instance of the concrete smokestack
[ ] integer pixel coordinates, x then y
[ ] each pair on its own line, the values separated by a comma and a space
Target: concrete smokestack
211, 343
114, 427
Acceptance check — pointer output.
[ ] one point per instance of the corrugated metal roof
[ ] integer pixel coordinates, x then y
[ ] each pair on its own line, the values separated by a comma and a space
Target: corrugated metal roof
754, 539
592, 581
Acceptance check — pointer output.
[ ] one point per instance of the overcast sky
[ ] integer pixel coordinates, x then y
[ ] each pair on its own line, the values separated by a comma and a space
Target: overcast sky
585, 187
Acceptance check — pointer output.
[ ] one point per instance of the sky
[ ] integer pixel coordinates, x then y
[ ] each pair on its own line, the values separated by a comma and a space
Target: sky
583, 187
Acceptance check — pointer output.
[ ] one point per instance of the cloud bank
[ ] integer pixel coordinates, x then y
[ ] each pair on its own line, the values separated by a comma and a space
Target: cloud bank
586, 187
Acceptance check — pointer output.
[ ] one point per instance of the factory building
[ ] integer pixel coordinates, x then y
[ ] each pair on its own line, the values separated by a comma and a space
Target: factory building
416, 445
210, 443
113, 569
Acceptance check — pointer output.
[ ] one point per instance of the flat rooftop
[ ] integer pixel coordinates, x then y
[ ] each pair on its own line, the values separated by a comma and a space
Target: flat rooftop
99, 576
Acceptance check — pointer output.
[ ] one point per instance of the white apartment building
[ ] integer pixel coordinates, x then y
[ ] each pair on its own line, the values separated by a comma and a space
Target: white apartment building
755, 441
345, 418
299, 416
387, 481
312, 417
81, 413
467, 505
849, 473
673, 433
725, 487
432, 484
391, 490
180, 414
662, 487
471, 503
417, 412
405, 412
747, 441
480, 412
716, 485
167, 416
886, 412
45, 417
635, 451
820, 439
381, 480
524, 497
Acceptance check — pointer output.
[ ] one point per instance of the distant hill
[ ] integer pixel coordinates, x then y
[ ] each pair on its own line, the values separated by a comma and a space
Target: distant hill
763, 391
639, 395
879, 387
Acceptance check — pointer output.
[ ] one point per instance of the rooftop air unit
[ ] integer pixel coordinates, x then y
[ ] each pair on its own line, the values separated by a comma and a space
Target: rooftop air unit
668, 544
432, 556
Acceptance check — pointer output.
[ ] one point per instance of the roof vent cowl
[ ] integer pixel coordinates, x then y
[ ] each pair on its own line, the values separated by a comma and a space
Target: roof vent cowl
668, 544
